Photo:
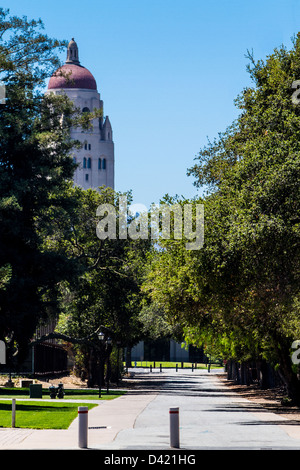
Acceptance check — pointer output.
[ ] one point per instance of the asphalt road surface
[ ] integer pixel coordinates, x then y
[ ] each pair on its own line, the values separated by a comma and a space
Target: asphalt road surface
210, 416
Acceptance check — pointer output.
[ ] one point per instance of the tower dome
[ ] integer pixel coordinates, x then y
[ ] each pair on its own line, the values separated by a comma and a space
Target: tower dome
94, 158
72, 74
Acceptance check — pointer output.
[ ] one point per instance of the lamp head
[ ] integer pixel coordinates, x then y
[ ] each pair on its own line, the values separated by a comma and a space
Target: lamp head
101, 336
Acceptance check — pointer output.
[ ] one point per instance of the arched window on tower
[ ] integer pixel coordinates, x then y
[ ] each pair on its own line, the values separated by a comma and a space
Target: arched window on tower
85, 110
84, 162
89, 163
99, 164
104, 164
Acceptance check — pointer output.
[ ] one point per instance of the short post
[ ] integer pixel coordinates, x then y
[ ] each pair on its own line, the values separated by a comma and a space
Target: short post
82, 426
160, 368
150, 368
13, 413
176, 367
174, 427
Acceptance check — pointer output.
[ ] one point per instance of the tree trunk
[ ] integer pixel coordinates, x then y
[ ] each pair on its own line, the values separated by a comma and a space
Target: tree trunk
94, 369
128, 357
245, 373
229, 369
236, 372
288, 376
90, 380
263, 377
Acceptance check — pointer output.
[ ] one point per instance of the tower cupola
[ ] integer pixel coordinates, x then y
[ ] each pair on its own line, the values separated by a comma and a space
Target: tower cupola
72, 53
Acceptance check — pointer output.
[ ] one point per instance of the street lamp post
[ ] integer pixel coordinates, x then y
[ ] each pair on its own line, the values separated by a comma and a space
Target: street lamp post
108, 342
101, 338
118, 362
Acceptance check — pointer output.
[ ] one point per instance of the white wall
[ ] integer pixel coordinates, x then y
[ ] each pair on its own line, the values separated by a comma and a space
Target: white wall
93, 177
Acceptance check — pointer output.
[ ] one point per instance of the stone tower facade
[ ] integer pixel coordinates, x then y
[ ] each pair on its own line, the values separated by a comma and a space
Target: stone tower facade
96, 156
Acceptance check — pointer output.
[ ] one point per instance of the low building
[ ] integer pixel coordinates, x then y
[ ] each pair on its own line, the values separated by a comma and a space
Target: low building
167, 350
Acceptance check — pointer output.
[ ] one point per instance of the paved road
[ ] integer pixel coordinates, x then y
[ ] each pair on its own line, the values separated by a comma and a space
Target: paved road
211, 417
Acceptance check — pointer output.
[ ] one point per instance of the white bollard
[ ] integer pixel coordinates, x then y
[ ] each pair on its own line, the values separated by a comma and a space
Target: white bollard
174, 427
83, 426
13, 413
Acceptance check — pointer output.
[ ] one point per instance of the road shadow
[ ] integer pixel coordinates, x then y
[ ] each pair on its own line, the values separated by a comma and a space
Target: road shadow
184, 385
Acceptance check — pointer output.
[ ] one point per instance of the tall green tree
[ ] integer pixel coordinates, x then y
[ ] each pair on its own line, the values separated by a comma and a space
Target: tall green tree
241, 291
107, 294
36, 173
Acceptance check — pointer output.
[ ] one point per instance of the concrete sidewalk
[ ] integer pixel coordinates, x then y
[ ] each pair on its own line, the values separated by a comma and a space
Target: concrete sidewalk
105, 421
211, 417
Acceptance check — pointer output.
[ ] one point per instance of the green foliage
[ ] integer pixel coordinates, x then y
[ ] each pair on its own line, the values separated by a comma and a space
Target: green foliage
154, 323
36, 172
106, 294
240, 293
51, 261
107, 291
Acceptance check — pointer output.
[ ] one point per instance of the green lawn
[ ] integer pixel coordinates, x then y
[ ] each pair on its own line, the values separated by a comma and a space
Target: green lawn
186, 365
40, 415
74, 394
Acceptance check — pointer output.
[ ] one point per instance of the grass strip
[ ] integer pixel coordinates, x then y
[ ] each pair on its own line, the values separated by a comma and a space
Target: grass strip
70, 394
40, 415
172, 365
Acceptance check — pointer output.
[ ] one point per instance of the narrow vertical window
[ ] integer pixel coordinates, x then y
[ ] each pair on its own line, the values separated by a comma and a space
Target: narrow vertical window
86, 177
104, 164
99, 164
89, 163
84, 162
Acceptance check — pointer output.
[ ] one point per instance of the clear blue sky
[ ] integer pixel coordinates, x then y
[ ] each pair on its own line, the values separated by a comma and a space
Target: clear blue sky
168, 72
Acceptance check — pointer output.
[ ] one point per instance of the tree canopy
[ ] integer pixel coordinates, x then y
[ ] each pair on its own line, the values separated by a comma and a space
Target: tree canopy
240, 293
36, 172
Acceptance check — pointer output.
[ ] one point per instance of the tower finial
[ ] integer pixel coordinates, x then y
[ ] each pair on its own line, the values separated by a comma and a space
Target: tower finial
72, 53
